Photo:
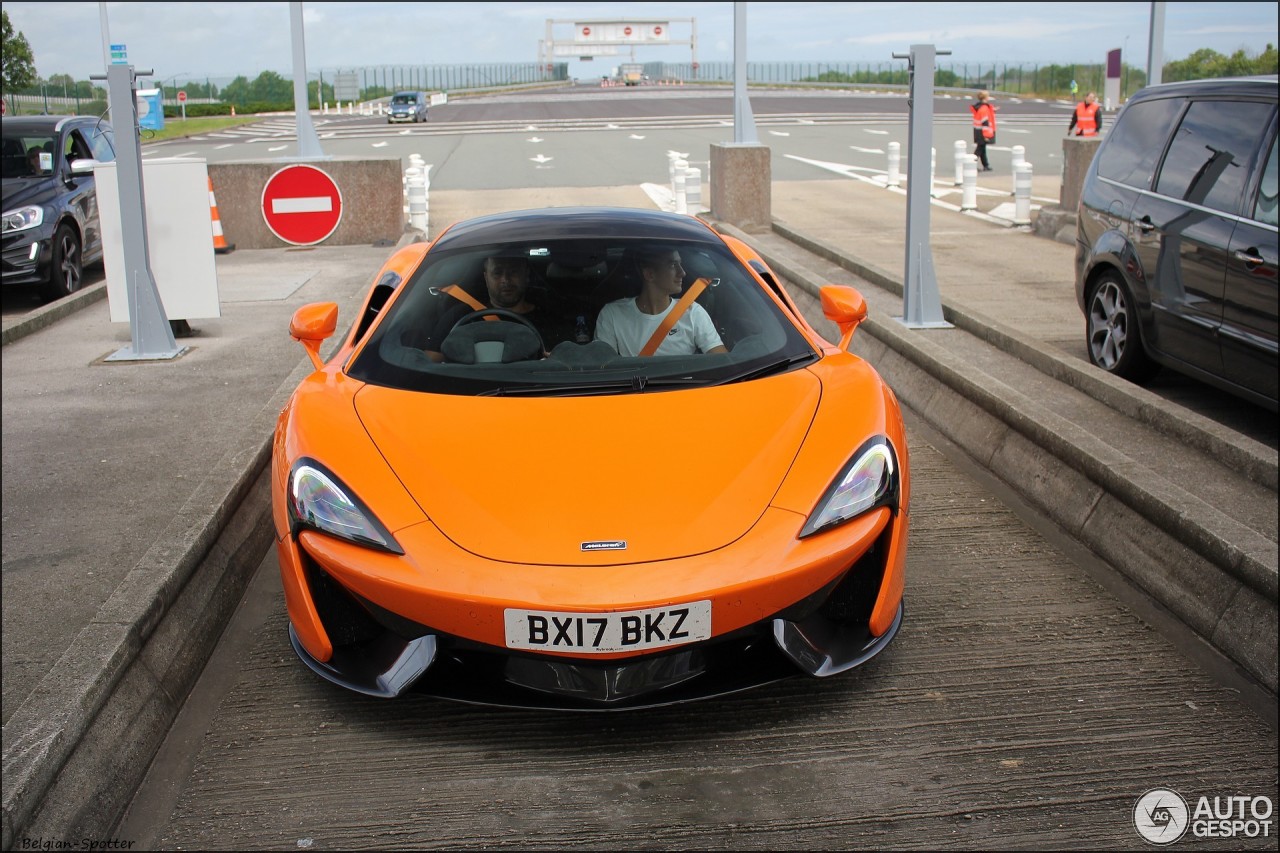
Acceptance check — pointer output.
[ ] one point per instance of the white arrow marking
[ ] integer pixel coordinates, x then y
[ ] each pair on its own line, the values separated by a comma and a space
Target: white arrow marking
682, 156
404, 132
278, 148
534, 139
636, 136
541, 159
877, 132
302, 204
779, 133
867, 150
611, 126
381, 144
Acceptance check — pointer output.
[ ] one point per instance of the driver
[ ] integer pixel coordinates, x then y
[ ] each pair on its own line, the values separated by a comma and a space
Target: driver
506, 281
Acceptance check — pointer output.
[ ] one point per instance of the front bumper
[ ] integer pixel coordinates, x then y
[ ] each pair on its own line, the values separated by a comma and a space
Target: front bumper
25, 257
823, 632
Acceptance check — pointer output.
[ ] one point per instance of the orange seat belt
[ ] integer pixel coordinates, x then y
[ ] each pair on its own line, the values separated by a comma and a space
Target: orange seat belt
674, 317
462, 296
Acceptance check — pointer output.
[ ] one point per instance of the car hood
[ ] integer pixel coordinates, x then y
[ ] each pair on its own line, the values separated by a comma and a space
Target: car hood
22, 191
544, 480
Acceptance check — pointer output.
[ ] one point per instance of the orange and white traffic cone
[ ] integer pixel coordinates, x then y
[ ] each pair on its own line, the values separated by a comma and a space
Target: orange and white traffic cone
220, 244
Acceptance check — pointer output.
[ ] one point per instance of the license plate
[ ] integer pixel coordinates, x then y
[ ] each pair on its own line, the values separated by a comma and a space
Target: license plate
600, 633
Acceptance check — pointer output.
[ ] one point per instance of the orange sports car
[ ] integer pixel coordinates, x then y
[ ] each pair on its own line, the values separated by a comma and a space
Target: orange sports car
587, 458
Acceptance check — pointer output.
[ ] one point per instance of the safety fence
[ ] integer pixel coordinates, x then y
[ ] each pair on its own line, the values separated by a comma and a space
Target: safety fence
369, 83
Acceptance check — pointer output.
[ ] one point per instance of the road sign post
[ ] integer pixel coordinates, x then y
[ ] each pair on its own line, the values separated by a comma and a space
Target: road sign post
182, 101
302, 205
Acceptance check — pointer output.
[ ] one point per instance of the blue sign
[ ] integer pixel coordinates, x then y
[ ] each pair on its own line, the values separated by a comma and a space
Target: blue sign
119, 56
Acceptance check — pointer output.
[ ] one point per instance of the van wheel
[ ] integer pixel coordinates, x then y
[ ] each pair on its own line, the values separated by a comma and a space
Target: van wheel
1112, 335
65, 266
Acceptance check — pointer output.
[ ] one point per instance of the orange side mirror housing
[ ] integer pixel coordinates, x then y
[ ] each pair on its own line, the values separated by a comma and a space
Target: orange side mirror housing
311, 325
844, 306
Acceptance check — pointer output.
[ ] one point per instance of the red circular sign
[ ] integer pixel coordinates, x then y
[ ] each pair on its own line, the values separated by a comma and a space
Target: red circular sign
301, 205
657, 31
627, 31
586, 31
182, 96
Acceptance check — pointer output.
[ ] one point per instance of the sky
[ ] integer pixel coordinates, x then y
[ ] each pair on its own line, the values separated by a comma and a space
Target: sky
227, 39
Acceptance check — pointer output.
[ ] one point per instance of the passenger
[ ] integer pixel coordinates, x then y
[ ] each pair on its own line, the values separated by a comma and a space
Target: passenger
627, 325
33, 160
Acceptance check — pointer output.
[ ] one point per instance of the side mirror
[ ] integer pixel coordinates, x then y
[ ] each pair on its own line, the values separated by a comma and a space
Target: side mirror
311, 325
845, 307
83, 167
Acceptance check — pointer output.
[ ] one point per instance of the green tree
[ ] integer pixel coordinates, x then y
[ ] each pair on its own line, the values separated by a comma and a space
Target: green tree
17, 64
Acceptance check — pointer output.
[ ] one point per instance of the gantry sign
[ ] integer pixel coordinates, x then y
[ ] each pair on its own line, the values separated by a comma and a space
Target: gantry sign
589, 39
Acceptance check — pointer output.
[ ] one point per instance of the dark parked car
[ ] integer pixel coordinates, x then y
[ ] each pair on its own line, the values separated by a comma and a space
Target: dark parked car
51, 228
1176, 247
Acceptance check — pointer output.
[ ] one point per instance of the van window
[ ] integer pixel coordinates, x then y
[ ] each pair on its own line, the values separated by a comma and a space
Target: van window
1265, 209
1211, 153
1134, 146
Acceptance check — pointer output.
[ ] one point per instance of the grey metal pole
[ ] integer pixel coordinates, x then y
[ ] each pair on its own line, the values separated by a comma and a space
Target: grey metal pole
106, 35
1155, 46
921, 304
308, 142
151, 333
744, 125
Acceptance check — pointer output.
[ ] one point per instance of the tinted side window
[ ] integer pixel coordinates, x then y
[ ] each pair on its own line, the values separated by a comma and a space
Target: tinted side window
1209, 158
1134, 146
1264, 210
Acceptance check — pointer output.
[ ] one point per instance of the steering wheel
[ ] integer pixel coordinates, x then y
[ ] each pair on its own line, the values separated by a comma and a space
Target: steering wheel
505, 315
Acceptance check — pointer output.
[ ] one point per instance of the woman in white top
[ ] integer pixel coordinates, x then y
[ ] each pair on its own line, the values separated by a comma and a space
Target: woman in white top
628, 324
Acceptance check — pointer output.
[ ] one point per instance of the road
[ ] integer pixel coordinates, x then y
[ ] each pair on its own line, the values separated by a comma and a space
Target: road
1031, 698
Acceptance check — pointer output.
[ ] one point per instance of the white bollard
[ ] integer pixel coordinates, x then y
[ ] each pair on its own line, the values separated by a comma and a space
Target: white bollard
417, 199
1019, 156
933, 168
962, 151
969, 194
895, 165
682, 201
1022, 194
693, 188
404, 180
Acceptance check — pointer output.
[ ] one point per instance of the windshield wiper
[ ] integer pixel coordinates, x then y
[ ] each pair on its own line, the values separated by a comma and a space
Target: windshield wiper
633, 384
780, 366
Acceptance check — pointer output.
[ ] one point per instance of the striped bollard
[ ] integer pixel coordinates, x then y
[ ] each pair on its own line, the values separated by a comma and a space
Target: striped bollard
961, 151
894, 177
1022, 194
1019, 156
969, 193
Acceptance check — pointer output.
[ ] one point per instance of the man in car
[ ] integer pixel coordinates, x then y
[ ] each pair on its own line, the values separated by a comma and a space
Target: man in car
506, 279
654, 322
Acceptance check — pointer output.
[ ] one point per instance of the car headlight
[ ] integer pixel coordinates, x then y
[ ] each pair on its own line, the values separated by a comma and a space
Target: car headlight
870, 480
318, 499
23, 218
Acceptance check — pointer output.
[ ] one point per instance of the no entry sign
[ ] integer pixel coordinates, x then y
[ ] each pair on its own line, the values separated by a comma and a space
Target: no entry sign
301, 205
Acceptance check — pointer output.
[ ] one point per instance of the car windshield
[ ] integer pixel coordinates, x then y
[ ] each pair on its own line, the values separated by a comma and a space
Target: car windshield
568, 317
403, 99
22, 154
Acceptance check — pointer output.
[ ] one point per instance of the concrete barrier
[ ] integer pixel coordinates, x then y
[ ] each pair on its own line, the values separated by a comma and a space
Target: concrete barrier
741, 185
372, 200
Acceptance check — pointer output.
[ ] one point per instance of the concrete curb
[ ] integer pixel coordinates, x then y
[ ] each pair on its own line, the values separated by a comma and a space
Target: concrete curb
46, 316
78, 747
1215, 574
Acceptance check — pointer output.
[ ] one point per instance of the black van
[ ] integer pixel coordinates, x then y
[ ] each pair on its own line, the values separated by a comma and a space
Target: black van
1176, 241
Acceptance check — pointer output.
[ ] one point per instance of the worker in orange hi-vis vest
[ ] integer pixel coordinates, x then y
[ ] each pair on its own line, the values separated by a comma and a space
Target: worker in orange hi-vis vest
1087, 118
984, 127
